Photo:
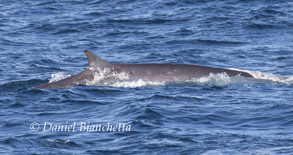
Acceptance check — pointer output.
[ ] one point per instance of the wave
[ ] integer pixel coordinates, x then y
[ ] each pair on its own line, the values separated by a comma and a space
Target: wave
214, 80
16, 86
269, 150
203, 41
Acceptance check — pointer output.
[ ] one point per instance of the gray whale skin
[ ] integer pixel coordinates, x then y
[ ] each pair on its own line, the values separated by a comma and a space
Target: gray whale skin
151, 72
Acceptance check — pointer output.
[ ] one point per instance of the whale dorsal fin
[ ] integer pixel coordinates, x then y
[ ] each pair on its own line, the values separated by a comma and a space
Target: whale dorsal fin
94, 60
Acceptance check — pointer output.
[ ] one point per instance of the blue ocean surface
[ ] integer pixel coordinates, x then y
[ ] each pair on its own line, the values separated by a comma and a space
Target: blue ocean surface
42, 41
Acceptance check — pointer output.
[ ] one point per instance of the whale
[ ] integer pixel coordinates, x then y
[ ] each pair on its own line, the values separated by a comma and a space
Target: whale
150, 72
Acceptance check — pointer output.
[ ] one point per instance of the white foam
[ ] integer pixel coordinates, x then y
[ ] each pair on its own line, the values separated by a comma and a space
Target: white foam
163, 141
273, 150
107, 78
212, 79
59, 76
219, 80
58, 141
137, 83
262, 151
268, 76
103, 77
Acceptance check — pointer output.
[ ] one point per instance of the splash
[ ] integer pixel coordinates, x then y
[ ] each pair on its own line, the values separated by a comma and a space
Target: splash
114, 79
137, 83
218, 80
269, 77
106, 77
59, 76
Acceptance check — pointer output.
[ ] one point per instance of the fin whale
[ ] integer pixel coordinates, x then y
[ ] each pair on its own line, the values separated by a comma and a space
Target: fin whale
152, 72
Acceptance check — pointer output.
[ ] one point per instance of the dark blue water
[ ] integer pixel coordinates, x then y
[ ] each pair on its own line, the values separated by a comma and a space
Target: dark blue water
210, 115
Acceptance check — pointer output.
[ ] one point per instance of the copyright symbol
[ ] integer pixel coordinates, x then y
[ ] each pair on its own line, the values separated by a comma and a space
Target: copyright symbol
35, 126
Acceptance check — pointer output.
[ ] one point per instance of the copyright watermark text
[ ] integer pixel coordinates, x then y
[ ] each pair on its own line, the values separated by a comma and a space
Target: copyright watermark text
79, 127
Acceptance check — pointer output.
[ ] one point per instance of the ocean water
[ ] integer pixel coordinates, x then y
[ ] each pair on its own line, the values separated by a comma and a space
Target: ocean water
42, 41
